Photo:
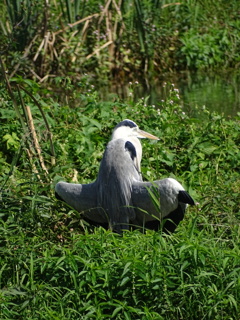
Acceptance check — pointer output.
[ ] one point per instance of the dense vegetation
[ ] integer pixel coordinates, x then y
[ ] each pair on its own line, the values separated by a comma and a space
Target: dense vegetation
54, 126
42, 40
54, 266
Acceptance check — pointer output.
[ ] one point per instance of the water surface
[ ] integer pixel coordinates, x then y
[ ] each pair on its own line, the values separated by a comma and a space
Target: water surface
220, 93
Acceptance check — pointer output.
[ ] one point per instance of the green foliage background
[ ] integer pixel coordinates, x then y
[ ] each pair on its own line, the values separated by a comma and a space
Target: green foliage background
44, 39
55, 266
52, 264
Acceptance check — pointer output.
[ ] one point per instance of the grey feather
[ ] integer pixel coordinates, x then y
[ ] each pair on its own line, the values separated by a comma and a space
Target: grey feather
114, 184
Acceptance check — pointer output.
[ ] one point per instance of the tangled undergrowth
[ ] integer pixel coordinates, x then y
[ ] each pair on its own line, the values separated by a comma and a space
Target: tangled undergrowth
55, 266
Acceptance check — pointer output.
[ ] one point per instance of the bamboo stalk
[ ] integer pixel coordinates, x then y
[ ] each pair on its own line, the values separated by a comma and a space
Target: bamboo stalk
70, 25
35, 170
171, 4
99, 49
84, 30
104, 12
81, 40
46, 124
110, 37
121, 19
38, 50
35, 139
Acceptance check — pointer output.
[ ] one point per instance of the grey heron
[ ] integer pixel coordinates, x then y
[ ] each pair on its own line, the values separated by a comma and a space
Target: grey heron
119, 197
119, 169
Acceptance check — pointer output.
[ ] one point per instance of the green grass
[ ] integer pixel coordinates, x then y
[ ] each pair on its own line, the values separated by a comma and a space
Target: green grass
100, 275
55, 266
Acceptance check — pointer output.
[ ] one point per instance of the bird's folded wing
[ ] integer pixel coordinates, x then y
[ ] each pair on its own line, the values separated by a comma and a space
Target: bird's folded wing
149, 200
83, 198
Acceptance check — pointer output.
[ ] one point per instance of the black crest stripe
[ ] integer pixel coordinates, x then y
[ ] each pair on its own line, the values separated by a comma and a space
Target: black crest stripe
126, 123
130, 147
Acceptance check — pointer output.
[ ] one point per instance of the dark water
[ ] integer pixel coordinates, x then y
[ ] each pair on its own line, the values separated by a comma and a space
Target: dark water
220, 93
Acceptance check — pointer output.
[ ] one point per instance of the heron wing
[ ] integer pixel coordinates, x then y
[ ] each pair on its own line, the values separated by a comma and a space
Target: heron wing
173, 202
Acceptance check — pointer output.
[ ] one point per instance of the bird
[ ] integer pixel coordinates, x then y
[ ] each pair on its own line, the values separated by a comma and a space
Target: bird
119, 198
119, 169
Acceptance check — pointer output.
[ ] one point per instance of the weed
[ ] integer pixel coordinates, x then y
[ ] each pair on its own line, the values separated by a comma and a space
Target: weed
110, 38
53, 265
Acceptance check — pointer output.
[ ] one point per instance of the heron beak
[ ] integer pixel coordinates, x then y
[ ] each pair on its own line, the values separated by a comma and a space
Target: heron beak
144, 134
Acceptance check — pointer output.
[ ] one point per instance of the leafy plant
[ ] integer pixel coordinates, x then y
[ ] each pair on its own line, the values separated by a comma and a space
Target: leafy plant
114, 39
54, 265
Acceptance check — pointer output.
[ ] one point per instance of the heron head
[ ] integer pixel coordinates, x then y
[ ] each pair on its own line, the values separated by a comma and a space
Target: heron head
128, 128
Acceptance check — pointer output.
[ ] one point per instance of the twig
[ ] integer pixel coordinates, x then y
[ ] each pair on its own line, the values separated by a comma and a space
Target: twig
99, 49
39, 49
46, 124
171, 4
70, 25
35, 170
35, 139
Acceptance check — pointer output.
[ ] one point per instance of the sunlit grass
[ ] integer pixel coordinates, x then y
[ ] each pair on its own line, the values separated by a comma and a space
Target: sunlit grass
55, 266
101, 274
